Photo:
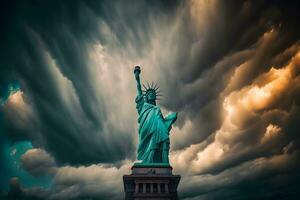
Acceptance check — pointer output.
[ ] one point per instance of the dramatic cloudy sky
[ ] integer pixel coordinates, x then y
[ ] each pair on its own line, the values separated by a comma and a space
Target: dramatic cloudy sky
68, 124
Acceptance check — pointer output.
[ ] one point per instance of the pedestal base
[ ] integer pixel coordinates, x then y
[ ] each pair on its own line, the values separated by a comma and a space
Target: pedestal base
151, 182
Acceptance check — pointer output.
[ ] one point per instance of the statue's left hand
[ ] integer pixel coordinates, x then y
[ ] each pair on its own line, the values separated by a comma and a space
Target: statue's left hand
172, 116
175, 116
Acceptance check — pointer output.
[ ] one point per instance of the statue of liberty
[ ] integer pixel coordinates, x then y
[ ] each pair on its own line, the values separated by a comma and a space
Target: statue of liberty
154, 128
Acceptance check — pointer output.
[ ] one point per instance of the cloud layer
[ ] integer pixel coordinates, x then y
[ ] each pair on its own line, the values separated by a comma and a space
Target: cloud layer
231, 70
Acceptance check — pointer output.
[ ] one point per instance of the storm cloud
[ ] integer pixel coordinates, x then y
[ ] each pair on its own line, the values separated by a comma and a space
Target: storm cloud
230, 68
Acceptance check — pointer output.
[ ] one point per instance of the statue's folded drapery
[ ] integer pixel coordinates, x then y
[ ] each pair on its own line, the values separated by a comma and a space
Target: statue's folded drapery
153, 132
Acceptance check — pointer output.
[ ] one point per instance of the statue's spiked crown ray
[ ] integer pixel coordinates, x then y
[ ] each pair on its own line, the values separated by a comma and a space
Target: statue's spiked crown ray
152, 88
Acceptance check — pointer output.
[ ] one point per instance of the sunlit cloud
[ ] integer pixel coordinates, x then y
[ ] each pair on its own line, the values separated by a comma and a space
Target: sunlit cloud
240, 108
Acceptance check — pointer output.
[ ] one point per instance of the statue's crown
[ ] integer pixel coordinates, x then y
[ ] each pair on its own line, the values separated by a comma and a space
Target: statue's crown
152, 89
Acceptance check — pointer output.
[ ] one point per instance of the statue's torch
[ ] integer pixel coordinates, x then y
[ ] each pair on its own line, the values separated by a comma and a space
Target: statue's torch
137, 71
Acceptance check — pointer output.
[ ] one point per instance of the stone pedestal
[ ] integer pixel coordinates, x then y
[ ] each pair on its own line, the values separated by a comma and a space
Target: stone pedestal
151, 182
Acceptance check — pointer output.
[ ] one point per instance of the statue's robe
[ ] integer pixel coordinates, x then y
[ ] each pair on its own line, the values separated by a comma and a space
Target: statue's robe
153, 132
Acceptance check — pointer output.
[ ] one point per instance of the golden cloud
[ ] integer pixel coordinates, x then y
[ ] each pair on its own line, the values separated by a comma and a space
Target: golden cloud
264, 94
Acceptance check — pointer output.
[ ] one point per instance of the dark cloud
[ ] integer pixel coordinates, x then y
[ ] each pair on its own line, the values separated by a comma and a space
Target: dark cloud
266, 176
61, 33
228, 36
16, 191
230, 68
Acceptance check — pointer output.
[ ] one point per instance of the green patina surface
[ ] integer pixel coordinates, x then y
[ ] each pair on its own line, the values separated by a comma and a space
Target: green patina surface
154, 128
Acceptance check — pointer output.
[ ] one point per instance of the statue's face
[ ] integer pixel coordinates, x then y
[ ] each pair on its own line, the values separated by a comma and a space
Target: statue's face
151, 97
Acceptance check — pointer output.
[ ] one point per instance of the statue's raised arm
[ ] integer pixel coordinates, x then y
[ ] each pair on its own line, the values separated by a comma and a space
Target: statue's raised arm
137, 71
